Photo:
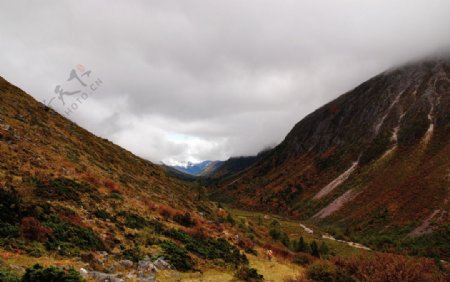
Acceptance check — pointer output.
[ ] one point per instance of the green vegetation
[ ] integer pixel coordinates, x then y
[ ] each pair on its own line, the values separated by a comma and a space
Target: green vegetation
69, 238
133, 220
134, 254
9, 206
184, 219
322, 271
209, 248
8, 276
177, 256
62, 189
101, 214
37, 273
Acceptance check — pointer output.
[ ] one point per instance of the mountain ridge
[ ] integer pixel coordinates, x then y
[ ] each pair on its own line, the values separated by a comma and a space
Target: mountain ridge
359, 156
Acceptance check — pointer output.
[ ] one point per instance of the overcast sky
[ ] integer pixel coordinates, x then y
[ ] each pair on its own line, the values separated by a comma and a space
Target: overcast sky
195, 80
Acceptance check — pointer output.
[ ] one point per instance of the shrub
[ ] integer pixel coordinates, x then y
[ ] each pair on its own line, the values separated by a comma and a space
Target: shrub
275, 234
33, 230
34, 249
8, 276
70, 237
229, 219
9, 230
279, 235
389, 267
177, 256
321, 271
52, 274
134, 254
62, 189
112, 186
101, 214
249, 274
133, 220
184, 219
304, 259
209, 248
9, 206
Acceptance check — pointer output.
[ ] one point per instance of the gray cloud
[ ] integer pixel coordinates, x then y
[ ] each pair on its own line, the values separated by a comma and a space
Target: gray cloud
195, 80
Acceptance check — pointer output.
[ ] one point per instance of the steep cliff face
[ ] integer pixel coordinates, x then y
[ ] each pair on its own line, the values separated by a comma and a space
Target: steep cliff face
376, 157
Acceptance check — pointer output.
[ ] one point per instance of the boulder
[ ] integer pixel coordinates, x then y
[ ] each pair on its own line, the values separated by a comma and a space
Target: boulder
105, 277
126, 263
161, 264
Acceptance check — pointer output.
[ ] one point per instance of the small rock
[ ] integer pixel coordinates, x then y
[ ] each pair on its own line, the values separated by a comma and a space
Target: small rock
17, 268
161, 264
104, 277
84, 273
126, 263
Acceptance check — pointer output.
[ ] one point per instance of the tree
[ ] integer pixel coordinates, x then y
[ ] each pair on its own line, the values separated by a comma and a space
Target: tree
315, 249
302, 246
275, 224
324, 250
230, 219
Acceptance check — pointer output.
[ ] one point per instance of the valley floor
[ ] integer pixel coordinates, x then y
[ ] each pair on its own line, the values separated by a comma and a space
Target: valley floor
274, 271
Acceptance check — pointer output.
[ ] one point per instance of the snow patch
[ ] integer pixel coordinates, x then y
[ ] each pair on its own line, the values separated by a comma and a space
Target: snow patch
336, 182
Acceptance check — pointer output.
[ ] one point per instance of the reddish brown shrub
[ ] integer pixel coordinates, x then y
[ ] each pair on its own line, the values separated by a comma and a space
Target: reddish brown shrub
91, 179
246, 244
112, 186
72, 218
166, 211
389, 267
197, 232
33, 230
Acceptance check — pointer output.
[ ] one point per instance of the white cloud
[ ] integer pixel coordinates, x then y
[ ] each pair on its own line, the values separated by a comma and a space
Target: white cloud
195, 80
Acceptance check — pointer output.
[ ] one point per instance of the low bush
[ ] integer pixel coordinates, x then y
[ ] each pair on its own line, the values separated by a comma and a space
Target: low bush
101, 214
321, 271
177, 256
68, 237
37, 273
9, 207
34, 249
133, 220
389, 267
8, 276
304, 259
184, 219
209, 248
9, 230
249, 274
62, 189
134, 254
33, 230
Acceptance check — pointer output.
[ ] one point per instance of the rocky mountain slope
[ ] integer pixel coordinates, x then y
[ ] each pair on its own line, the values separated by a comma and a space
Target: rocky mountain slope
68, 197
374, 163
